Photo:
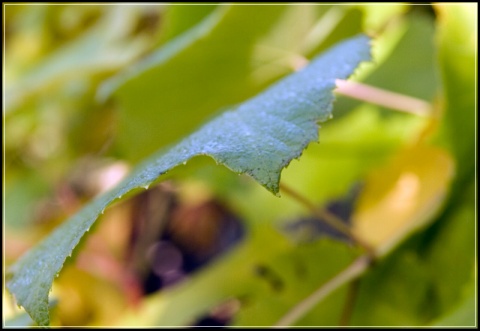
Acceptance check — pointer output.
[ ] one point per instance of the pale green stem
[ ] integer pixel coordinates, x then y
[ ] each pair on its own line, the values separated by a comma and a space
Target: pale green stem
353, 271
383, 98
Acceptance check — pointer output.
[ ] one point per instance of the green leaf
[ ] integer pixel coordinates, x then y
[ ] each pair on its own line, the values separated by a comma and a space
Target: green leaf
451, 255
99, 49
259, 138
457, 52
24, 190
267, 280
179, 19
376, 17
464, 314
289, 277
22, 319
394, 293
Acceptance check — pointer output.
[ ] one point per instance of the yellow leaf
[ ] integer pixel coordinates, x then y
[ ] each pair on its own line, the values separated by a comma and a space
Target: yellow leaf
402, 196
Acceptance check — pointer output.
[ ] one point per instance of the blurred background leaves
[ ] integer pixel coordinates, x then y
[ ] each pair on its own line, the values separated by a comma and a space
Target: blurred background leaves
92, 89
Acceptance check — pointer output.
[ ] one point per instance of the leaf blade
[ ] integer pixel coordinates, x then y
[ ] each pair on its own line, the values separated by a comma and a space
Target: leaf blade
232, 139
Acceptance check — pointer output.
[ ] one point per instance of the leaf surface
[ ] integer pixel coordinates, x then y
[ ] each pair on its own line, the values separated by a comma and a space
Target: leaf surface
260, 137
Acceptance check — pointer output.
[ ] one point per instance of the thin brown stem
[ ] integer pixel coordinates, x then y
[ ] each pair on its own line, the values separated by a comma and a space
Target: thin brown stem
353, 271
327, 217
383, 98
349, 302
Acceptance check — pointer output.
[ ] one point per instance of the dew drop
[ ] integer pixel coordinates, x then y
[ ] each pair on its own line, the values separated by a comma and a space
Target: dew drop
146, 187
184, 162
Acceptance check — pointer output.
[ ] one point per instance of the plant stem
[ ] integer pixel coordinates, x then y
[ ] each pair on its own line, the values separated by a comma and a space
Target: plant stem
383, 98
349, 302
354, 270
327, 217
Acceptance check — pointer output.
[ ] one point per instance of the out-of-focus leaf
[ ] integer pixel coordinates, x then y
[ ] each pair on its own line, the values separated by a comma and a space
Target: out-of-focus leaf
414, 75
100, 49
402, 196
208, 288
265, 285
292, 278
299, 33
394, 293
259, 138
451, 256
86, 299
377, 16
23, 192
178, 19
464, 315
457, 39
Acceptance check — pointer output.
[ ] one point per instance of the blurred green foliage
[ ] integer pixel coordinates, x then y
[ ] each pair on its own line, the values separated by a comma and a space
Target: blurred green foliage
91, 85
